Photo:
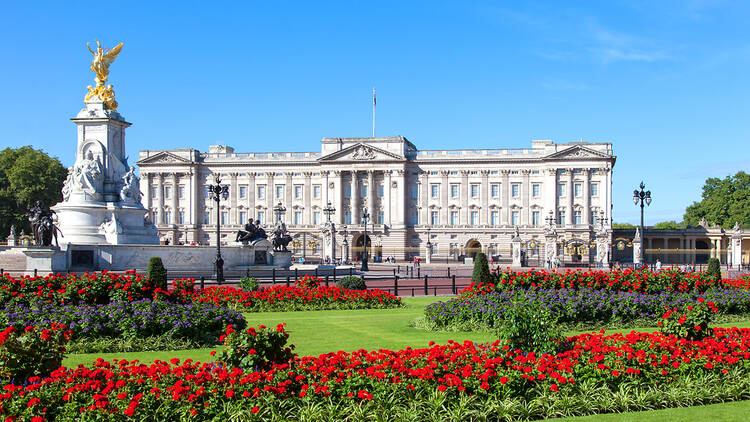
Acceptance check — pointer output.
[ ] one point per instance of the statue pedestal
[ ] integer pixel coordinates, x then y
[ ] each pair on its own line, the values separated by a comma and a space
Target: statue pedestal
44, 260
100, 223
281, 259
515, 247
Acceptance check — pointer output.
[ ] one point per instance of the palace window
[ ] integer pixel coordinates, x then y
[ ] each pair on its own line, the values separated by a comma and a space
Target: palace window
535, 218
261, 217
454, 217
381, 191
155, 191
279, 191
363, 191
347, 191
316, 217
298, 192
515, 190
475, 191
577, 189
347, 217
535, 190
181, 217
156, 217
167, 217
594, 189
381, 217
594, 217
577, 218
434, 191
243, 217
414, 218
561, 218
494, 218
561, 189
224, 217
261, 192
181, 191
316, 191
434, 220
297, 217
243, 192
454, 191
414, 192
167, 192
495, 190
206, 217
475, 218
514, 218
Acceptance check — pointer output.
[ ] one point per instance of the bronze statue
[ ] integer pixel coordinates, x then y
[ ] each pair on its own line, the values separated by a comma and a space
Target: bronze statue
43, 226
252, 232
281, 238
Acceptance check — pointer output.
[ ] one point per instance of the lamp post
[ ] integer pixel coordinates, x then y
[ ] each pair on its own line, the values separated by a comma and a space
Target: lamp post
365, 219
642, 196
329, 210
429, 246
218, 192
345, 233
330, 229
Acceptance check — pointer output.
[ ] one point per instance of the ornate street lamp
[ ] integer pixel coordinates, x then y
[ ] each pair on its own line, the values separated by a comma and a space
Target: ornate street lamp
642, 196
429, 245
279, 210
365, 220
218, 192
345, 233
329, 210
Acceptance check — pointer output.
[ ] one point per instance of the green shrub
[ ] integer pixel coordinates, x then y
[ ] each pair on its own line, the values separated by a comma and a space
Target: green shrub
249, 284
352, 282
157, 273
255, 349
529, 326
690, 322
481, 272
714, 269
32, 352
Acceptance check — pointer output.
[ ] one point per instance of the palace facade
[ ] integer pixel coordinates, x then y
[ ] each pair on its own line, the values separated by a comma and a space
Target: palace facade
461, 201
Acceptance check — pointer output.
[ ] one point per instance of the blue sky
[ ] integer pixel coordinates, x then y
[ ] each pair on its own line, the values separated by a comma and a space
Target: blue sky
664, 81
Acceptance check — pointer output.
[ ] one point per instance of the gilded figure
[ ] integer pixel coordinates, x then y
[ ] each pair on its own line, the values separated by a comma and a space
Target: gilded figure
103, 57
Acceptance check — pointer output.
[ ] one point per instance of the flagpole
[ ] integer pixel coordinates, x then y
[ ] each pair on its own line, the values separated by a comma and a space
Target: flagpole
374, 102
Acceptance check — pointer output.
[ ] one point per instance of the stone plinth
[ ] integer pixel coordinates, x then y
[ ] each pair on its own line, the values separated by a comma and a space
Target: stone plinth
43, 260
282, 259
515, 248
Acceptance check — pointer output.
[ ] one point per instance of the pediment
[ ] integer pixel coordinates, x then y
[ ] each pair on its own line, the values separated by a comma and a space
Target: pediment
164, 158
576, 153
361, 152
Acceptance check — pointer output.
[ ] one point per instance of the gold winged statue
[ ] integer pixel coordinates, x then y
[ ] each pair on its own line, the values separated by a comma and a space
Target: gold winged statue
103, 57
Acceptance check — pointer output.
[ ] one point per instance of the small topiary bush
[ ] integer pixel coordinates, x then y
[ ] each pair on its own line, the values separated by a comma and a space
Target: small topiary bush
714, 269
352, 282
157, 273
481, 272
255, 349
689, 322
249, 284
529, 326
31, 352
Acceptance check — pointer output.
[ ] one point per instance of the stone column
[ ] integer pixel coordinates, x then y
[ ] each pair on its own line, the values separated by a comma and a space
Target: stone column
525, 194
387, 186
307, 195
444, 197
515, 251
234, 190
550, 199
650, 243
338, 195
637, 247
193, 216
424, 198
465, 198
401, 196
505, 193
270, 197
147, 194
586, 197
354, 198
736, 248
289, 187
324, 189
484, 215
251, 195
569, 189
372, 193
161, 198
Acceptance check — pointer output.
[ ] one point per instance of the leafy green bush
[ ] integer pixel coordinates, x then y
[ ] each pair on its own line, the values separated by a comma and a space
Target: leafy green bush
157, 273
249, 284
481, 272
690, 322
352, 282
255, 349
530, 326
31, 352
714, 269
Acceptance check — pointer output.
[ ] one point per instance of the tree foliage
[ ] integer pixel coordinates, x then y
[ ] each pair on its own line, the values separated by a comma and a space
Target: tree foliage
481, 272
724, 202
621, 226
669, 225
27, 175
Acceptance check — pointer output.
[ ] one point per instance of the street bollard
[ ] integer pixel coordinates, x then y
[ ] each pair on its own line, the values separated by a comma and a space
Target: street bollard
425, 285
395, 286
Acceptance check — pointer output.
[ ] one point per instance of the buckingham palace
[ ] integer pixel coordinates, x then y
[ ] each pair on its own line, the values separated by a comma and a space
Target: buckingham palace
457, 201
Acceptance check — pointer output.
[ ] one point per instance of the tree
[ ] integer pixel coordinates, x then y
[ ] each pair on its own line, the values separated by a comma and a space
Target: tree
621, 226
669, 225
27, 175
724, 202
481, 269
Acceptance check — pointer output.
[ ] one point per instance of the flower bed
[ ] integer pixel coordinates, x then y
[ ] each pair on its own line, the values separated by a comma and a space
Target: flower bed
201, 323
282, 298
628, 280
576, 307
458, 380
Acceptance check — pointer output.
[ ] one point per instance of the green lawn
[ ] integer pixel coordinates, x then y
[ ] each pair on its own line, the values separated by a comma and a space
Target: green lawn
317, 332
